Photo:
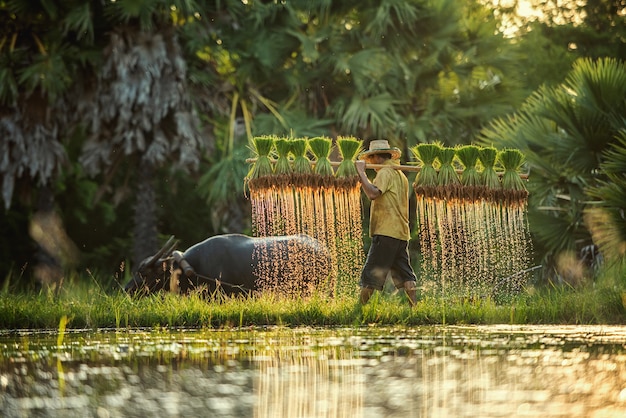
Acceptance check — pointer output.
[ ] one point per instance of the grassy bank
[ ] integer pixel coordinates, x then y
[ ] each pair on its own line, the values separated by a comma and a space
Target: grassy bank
89, 307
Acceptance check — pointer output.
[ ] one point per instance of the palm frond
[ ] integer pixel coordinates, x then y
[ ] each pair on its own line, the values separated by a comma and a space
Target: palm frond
224, 181
143, 109
392, 15
79, 21
606, 218
375, 112
8, 86
125, 11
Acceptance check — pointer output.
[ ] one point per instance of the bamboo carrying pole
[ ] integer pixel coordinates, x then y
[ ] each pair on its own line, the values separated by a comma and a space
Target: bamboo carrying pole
409, 168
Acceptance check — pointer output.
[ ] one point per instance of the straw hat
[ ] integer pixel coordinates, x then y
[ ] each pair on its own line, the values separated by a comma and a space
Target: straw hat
381, 146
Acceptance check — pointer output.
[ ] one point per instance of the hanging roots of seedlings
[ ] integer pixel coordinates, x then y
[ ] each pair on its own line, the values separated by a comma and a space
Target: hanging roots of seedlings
426, 179
321, 147
490, 180
261, 170
470, 178
448, 183
347, 176
513, 187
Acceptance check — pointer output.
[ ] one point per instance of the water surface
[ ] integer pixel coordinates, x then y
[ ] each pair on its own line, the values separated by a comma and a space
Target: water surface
473, 371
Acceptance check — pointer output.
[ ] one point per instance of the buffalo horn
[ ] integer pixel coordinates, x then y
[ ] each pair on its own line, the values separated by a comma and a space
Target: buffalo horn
178, 256
159, 253
169, 250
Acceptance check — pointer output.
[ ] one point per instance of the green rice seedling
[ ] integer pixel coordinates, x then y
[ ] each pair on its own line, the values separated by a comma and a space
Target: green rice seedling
301, 163
321, 147
349, 147
283, 165
283, 168
302, 171
262, 167
490, 179
448, 183
470, 178
512, 184
426, 178
511, 160
468, 156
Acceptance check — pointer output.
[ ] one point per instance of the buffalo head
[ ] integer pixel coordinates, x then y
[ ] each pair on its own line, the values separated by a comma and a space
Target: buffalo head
154, 272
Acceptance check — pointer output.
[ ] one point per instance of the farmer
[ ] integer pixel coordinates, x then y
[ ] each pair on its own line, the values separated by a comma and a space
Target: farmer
389, 223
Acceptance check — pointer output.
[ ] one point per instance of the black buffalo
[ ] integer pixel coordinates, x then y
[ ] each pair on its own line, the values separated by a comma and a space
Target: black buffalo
235, 263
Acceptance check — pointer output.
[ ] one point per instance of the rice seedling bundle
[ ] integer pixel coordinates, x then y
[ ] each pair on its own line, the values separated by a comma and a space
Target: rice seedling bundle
448, 183
283, 166
349, 147
302, 171
512, 184
426, 179
301, 163
490, 180
470, 178
262, 168
468, 157
321, 147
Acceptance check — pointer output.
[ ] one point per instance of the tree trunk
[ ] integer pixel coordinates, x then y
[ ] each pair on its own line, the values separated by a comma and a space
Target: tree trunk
145, 229
55, 252
47, 268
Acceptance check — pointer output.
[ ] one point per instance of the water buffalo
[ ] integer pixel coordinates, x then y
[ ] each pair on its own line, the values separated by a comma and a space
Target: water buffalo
235, 263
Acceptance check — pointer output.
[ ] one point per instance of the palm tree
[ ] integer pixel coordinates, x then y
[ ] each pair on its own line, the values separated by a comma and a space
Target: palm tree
605, 218
141, 117
36, 62
40, 54
565, 132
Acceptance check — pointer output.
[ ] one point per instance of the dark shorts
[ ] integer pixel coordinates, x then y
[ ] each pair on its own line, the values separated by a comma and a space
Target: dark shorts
387, 256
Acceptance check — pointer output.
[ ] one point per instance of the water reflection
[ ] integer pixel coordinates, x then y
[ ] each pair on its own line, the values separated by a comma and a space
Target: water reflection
495, 371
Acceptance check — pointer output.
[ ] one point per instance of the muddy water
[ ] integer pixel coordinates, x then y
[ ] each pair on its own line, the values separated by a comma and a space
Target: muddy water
491, 371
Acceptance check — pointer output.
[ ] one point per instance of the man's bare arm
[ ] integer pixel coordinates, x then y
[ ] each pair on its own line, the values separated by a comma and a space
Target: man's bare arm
370, 190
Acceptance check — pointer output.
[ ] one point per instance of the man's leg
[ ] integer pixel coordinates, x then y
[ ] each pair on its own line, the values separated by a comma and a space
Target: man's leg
377, 265
411, 291
403, 270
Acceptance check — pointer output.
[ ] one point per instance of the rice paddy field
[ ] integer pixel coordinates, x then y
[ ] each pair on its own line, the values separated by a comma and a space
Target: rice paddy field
91, 307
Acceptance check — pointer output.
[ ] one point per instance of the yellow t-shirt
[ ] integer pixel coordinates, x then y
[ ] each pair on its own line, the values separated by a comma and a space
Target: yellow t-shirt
389, 213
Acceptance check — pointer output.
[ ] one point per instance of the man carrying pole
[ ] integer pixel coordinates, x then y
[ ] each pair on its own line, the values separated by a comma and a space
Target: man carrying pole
389, 223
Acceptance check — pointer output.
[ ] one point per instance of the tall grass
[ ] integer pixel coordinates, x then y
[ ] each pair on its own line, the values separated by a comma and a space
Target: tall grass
87, 306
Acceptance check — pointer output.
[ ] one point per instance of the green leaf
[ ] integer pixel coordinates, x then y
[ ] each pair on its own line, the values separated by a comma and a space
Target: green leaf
8, 86
79, 19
